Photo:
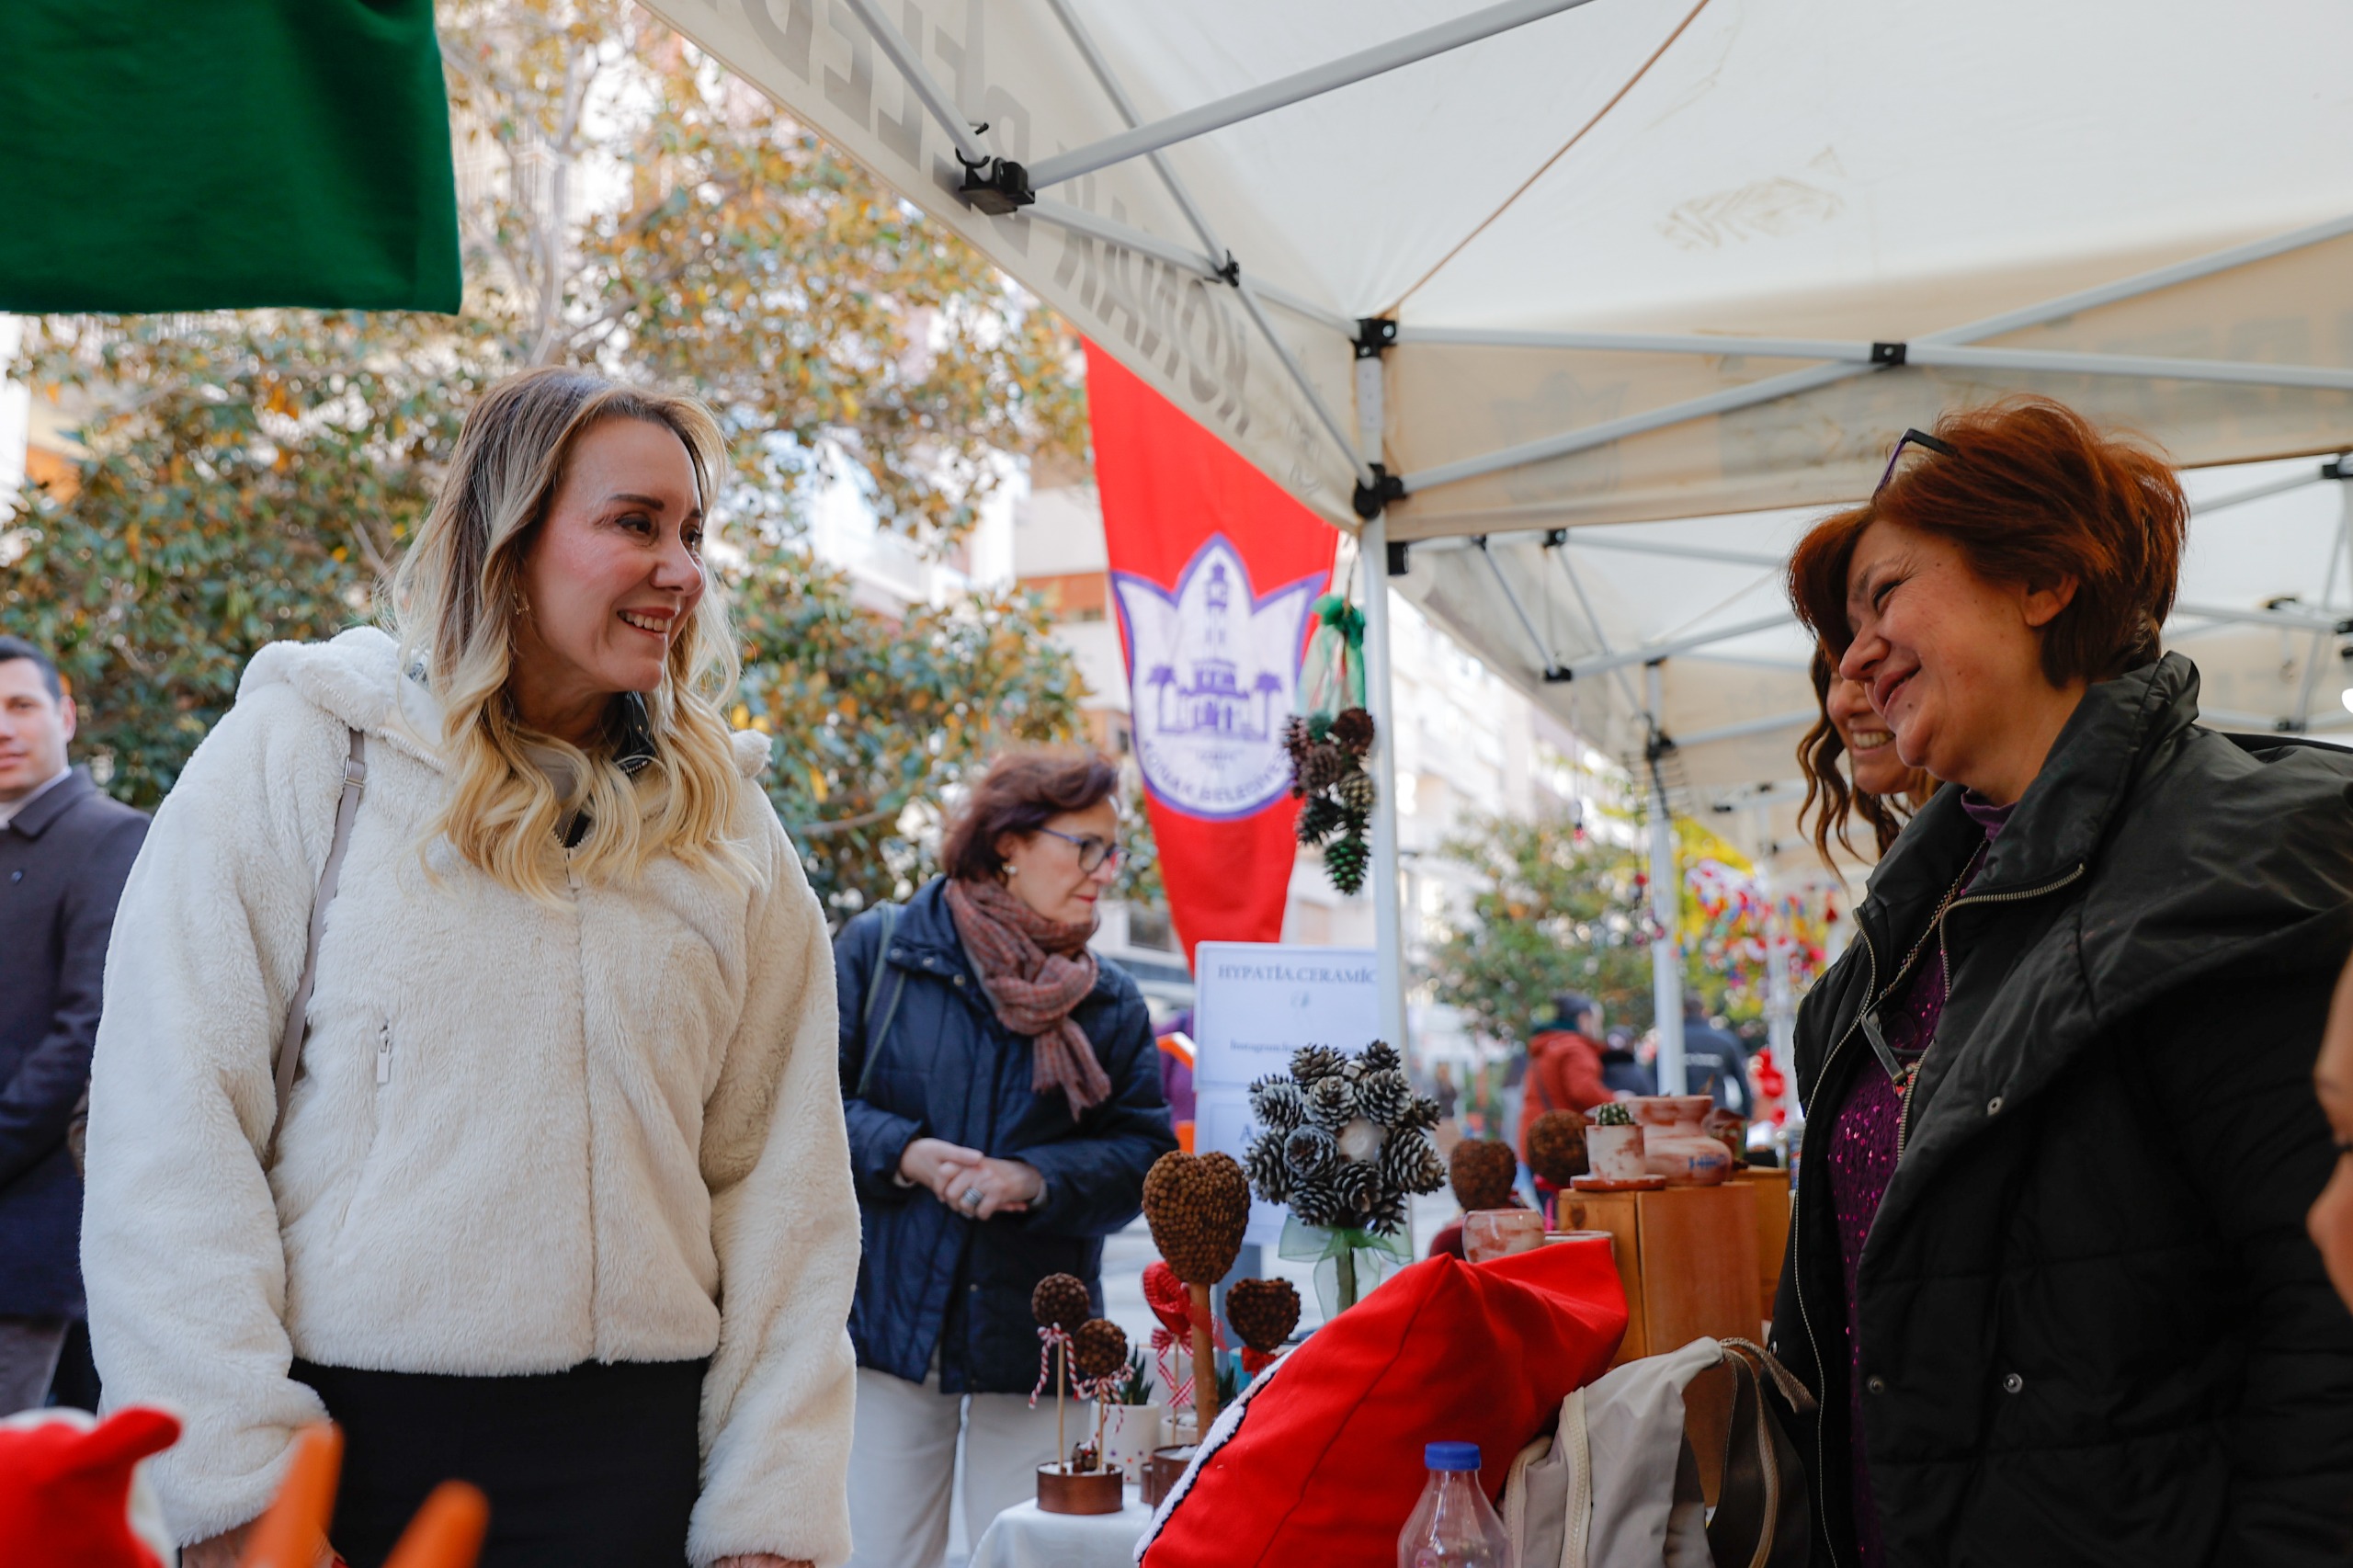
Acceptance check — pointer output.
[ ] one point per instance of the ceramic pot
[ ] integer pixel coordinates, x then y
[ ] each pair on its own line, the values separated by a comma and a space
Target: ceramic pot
1499, 1233
1162, 1471
1084, 1492
1129, 1434
1676, 1142
1615, 1153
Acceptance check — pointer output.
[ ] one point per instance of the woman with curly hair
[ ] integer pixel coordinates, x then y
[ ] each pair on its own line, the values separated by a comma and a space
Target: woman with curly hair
1883, 792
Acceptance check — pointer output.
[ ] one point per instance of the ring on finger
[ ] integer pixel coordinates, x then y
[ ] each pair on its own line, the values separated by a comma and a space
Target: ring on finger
971, 1198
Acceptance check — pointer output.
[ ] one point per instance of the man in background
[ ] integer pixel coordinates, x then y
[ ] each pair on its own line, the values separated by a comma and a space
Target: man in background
1714, 1063
65, 848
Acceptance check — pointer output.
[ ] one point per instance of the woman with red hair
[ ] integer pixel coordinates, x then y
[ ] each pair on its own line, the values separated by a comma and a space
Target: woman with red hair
2047, 1270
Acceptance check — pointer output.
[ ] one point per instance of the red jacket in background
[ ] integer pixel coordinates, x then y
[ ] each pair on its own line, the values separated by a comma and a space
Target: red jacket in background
1564, 1073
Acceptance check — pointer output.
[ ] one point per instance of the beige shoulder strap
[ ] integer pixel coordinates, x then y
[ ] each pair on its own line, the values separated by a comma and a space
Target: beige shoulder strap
290, 1040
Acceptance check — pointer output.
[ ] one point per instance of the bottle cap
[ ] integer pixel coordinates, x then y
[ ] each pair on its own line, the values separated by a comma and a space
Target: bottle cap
1451, 1455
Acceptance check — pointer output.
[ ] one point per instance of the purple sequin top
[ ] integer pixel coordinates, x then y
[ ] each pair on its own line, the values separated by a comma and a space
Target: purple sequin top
1861, 1159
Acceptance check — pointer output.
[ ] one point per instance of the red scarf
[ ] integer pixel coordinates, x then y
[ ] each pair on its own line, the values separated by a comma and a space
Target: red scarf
1035, 970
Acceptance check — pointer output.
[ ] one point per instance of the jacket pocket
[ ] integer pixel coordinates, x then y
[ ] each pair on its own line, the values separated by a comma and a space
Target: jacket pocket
377, 1084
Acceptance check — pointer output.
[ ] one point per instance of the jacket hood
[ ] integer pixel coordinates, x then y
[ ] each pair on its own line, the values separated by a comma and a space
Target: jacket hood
355, 679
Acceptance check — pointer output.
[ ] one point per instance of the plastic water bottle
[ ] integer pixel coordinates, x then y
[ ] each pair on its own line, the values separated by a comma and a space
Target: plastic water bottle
1453, 1526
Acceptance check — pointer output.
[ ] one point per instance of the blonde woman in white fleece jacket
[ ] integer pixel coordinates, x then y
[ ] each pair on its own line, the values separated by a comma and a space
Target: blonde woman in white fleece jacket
561, 1201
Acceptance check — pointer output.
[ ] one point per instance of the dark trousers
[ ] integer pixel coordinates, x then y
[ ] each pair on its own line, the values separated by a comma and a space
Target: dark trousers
596, 1467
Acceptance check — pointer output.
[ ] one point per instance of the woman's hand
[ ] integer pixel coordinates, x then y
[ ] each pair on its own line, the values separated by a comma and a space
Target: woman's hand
227, 1550
762, 1560
933, 1162
995, 1186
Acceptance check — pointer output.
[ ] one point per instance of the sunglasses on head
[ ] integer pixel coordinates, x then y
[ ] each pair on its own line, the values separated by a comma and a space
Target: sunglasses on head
1912, 439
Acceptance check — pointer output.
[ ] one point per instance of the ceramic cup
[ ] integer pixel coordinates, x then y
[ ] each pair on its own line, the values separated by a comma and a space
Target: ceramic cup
1499, 1233
1615, 1153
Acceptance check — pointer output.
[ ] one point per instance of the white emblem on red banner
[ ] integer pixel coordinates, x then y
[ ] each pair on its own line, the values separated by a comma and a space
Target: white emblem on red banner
1212, 672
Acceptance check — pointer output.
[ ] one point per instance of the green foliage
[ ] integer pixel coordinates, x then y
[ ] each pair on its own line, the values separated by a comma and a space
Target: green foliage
250, 476
1134, 1386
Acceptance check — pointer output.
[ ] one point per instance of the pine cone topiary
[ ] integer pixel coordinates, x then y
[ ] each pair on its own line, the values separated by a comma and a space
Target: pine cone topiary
1483, 1172
1419, 1117
1556, 1146
1318, 819
1332, 1103
1344, 861
1409, 1162
1383, 1096
1359, 1184
1311, 1154
1099, 1348
1309, 1062
1352, 727
1268, 1172
1198, 1207
1277, 1104
1263, 1311
1380, 1057
1319, 1203
1357, 792
1387, 1216
1059, 1302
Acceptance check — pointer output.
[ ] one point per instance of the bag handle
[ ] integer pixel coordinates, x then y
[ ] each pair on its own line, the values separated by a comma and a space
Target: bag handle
289, 1061
1763, 1516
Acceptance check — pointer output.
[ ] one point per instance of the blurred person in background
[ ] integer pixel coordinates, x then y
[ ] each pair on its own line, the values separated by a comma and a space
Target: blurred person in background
1004, 1099
65, 848
1563, 1064
1621, 1070
1714, 1063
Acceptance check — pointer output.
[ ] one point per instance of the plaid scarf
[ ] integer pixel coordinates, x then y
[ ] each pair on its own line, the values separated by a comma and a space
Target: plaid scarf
1035, 970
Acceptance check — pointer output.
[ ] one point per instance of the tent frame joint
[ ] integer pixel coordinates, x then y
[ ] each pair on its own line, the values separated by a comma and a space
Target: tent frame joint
1372, 499
1375, 336
1399, 562
2339, 467
998, 186
1890, 353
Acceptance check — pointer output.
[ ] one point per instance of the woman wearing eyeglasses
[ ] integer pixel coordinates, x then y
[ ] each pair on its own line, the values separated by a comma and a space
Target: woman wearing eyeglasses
2048, 1275
1003, 1095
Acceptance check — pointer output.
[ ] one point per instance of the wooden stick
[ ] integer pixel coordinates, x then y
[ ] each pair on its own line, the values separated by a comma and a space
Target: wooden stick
1204, 1365
1062, 1377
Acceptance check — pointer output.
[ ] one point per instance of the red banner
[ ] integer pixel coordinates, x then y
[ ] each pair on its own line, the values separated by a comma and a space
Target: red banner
1213, 568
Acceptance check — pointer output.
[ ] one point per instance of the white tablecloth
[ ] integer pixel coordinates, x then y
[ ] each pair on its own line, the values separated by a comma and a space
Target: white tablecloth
1021, 1536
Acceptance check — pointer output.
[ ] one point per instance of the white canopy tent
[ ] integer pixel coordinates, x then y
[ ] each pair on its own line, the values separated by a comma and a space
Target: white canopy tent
1501, 288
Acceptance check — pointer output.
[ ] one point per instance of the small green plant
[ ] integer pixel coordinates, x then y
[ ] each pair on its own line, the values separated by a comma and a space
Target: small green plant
1134, 1386
1228, 1380
1613, 1116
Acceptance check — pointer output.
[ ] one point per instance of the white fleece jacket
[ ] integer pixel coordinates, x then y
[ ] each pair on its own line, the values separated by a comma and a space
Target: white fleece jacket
523, 1137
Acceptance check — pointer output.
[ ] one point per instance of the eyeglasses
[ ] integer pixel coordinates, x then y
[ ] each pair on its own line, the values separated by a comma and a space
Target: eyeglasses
1910, 438
1092, 851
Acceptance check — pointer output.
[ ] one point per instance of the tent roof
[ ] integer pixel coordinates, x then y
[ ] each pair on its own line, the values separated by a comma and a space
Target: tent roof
1646, 259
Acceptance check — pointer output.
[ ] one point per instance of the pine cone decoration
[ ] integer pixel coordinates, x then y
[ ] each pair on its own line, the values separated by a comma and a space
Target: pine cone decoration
1358, 1182
1357, 792
1556, 1146
1318, 819
1383, 1096
1380, 1057
1321, 768
1269, 1171
1311, 1152
1483, 1172
1098, 1349
1352, 730
1387, 1216
1060, 1302
1332, 1103
1421, 1115
1344, 862
1263, 1311
1311, 1062
1318, 1203
1277, 1104
1296, 739
1409, 1162
1198, 1207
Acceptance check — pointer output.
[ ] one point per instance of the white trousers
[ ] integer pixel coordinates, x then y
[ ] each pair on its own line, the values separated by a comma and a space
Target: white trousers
902, 1464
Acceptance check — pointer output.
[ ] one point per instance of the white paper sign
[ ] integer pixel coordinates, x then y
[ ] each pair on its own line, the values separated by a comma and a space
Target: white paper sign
1254, 1002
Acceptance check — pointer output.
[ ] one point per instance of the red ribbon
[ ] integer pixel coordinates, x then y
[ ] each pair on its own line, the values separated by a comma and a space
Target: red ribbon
1172, 1303
1048, 1337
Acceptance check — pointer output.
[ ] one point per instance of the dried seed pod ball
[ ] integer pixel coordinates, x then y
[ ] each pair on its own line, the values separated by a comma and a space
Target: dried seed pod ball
1198, 1207
1332, 1103
1383, 1095
1098, 1349
1266, 1166
1263, 1311
1381, 1057
1483, 1172
1277, 1104
1311, 1152
1556, 1146
1352, 727
1309, 1063
1409, 1162
1060, 1302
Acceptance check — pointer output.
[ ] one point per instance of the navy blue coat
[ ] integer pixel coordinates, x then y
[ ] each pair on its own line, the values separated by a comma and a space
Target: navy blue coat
945, 1068
63, 861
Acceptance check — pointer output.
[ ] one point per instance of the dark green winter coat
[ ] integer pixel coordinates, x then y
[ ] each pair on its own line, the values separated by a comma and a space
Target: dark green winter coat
2093, 1330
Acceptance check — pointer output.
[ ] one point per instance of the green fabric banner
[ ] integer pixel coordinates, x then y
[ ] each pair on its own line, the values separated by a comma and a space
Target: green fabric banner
202, 155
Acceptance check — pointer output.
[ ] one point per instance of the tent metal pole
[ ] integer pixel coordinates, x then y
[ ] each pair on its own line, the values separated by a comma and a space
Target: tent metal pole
1110, 81
1110, 230
2256, 493
933, 96
1298, 373
1290, 89
1388, 878
2283, 619
1550, 666
1776, 387
1600, 633
1652, 653
2303, 715
1747, 727
2037, 361
1667, 907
